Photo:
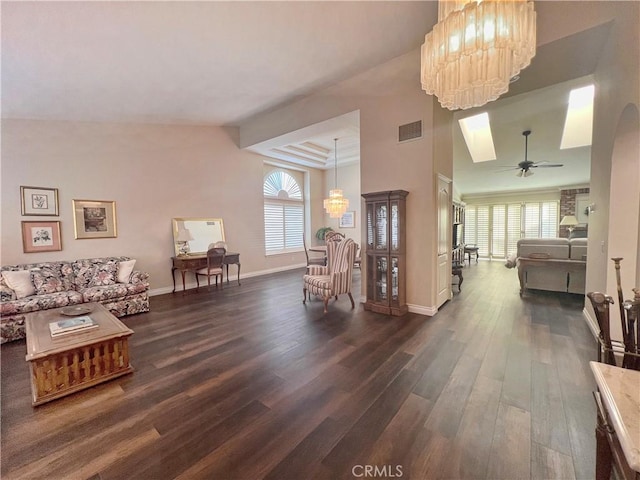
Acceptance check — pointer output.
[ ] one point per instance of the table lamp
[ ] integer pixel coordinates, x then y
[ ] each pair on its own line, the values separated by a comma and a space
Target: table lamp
569, 221
184, 237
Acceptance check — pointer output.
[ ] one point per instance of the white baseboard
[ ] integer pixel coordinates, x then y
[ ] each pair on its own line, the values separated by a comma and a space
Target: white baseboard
591, 323
422, 310
163, 290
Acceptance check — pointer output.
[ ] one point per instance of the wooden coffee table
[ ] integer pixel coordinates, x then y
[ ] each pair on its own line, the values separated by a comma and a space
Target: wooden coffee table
64, 365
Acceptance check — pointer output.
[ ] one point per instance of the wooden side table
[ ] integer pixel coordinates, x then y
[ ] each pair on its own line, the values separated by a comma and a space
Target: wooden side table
64, 365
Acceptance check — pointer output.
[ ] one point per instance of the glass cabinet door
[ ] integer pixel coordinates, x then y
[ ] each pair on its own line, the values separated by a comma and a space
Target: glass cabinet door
381, 226
395, 284
381, 279
370, 225
395, 226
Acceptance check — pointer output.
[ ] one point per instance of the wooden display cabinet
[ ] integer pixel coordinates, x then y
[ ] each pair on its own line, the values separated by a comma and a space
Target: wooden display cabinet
386, 252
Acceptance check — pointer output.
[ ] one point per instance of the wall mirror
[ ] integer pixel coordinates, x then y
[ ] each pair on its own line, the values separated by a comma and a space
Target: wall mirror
192, 236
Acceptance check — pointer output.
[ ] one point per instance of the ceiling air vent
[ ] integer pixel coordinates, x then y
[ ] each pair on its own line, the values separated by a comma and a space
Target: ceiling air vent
410, 131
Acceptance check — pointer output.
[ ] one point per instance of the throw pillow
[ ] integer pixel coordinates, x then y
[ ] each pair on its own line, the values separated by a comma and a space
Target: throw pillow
47, 280
104, 274
20, 282
124, 270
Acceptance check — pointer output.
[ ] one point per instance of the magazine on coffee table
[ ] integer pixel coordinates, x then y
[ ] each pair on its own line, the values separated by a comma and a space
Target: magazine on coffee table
71, 325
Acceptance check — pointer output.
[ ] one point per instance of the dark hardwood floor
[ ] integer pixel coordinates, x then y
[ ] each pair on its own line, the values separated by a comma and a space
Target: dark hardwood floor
247, 383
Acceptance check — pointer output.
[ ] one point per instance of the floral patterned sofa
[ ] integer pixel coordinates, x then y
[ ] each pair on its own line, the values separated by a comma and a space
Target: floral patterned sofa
110, 281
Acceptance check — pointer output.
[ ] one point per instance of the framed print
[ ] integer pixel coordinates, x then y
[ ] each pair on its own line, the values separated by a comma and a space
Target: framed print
94, 219
348, 220
39, 201
41, 237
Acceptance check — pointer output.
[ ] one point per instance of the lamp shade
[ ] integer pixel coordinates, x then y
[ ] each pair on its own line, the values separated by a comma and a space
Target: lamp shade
184, 235
569, 221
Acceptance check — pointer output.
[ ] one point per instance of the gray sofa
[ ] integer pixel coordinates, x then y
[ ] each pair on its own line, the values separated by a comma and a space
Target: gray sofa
122, 290
552, 264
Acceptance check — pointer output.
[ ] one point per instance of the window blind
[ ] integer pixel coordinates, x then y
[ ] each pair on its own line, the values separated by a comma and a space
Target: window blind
283, 227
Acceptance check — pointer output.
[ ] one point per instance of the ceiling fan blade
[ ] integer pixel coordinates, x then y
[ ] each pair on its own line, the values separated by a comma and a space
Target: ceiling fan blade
547, 165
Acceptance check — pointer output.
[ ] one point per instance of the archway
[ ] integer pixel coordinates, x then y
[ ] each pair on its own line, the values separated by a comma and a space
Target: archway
624, 208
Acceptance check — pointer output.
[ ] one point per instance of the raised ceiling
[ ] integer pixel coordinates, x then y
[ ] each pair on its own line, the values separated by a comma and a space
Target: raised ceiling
213, 63
220, 63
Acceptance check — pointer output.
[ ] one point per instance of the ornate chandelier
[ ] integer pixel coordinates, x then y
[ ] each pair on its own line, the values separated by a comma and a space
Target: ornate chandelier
336, 204
475, 49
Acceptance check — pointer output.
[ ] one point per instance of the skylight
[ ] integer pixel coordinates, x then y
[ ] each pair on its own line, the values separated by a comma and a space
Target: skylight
578, 124
477, 136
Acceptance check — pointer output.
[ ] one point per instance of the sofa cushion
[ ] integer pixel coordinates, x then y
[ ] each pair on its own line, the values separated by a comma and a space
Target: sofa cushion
104, 274
541, 247
83, 269
105, 292
124, 270
47, 280
578, 248
40, 302
20, 282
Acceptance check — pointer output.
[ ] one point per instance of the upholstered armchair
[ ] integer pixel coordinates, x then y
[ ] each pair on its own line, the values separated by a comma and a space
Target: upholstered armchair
335, 278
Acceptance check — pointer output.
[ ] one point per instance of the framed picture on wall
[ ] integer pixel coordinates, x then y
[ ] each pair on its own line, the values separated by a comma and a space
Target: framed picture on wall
41, 237
348, 220
39, 201
94, 219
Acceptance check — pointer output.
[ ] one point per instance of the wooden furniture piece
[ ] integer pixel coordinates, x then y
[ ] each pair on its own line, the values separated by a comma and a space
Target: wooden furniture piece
471, 250
215, 262
385, 252
314, 260
456, 271
191, 263
66, 364
618, 421
457, 235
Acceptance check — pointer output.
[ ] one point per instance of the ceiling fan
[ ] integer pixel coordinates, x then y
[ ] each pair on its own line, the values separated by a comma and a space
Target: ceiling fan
524, 167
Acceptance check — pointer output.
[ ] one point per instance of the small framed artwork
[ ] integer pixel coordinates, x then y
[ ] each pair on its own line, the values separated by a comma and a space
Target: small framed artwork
41, 237
39, 201
348, 220
94, 219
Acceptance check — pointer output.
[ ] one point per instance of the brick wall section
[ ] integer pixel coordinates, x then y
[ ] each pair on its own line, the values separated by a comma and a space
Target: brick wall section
568, 206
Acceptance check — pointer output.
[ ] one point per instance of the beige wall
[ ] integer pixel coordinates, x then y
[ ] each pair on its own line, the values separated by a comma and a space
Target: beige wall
154, 173
617, 80
384, 163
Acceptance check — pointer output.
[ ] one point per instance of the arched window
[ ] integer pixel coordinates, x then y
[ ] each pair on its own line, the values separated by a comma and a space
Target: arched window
283, 213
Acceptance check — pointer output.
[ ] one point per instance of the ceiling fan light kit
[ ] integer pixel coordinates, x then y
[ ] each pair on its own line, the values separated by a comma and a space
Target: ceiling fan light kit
475, 49
524, 167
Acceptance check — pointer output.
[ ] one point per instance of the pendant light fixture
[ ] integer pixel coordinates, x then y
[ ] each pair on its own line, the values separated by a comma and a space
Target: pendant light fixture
475, 49
336, 204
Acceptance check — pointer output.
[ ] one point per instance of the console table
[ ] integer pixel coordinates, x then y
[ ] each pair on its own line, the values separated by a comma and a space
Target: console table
618, 422
191, 263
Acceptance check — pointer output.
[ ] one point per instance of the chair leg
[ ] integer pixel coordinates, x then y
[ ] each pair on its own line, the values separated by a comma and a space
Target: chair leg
304, 295
353, 305
326, 301
197, 281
